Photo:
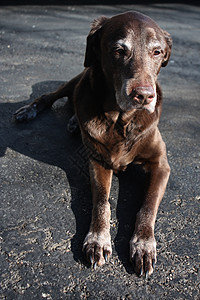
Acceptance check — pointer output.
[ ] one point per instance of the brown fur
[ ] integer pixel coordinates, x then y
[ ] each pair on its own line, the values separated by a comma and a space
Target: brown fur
118, 102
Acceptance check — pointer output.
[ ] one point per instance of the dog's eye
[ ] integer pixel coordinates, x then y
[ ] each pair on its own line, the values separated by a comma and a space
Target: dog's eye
156, 52
118, 52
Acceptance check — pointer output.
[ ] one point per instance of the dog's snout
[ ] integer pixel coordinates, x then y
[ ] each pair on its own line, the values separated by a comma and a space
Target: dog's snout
143, 95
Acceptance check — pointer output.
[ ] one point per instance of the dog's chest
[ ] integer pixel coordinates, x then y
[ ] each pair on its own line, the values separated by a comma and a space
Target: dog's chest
114, 144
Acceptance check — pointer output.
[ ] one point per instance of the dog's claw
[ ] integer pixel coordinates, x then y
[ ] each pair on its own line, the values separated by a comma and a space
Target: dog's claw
146, 274
153, 263
95, 265
91, 260
106, 257
141, 272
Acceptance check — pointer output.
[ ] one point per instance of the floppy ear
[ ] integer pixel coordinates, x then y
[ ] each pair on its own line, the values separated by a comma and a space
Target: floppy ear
93, 39
168, 40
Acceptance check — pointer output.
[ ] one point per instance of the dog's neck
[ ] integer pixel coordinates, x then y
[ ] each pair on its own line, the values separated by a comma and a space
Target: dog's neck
119, 116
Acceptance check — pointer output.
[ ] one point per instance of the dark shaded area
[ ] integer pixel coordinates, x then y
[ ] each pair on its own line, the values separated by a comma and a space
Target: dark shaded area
56, 147
133, 184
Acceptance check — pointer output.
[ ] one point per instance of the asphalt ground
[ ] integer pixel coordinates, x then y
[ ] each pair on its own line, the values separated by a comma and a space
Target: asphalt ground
44, 189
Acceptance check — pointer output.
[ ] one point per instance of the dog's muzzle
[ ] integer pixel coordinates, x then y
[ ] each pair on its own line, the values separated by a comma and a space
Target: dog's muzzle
141, 97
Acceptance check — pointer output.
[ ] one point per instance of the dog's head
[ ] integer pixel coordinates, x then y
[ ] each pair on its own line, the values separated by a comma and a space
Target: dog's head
130, 49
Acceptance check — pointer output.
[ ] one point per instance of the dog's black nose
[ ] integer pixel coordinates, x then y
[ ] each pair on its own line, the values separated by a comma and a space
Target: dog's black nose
143, 95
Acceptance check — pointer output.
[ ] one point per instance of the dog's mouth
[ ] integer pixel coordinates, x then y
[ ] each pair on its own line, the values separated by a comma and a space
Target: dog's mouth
128, 103
150, 107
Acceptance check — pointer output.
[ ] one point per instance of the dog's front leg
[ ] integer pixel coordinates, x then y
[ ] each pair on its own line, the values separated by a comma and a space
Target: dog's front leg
30, 111
97, 244
143, 244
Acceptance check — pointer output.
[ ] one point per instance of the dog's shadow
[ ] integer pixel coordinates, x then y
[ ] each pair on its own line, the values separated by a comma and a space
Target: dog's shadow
133, 185
46, 139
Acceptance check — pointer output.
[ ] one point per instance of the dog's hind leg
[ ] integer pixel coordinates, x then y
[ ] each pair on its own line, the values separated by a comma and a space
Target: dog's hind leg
30, 111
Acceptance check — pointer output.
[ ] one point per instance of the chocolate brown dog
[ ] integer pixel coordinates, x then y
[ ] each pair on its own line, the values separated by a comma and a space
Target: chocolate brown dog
117, 102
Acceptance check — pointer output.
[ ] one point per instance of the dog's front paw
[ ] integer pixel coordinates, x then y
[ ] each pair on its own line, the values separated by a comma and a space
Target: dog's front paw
143, 255
97, 247
26, 113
